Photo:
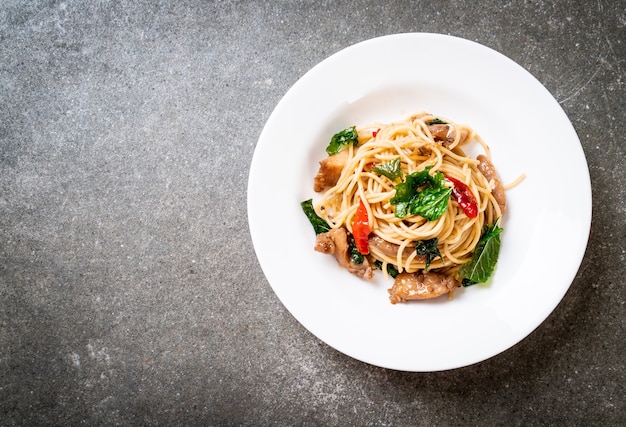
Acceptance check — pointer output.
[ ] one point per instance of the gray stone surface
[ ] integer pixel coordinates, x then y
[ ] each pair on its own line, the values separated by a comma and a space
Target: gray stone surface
129, 290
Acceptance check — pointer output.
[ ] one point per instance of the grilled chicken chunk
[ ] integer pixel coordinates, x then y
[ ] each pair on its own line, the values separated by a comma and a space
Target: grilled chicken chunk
330, 171
447, 135
489, 171
335, 242
421, 285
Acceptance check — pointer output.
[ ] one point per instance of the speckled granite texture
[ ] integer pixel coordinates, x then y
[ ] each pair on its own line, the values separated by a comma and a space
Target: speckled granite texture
130, 293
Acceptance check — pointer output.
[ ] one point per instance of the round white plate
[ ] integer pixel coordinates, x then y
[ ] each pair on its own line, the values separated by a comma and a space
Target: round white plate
545, 230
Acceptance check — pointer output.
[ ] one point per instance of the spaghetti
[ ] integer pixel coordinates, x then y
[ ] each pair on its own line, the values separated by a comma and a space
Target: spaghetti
415, 187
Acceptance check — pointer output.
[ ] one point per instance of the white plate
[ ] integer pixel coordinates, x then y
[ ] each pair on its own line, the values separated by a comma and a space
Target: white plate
545, 230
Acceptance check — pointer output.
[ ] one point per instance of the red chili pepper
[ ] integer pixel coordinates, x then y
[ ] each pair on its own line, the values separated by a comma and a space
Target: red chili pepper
374, 133
464, 197
361, 229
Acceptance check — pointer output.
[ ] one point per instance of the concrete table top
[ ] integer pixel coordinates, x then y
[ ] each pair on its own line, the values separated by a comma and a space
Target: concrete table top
130, 293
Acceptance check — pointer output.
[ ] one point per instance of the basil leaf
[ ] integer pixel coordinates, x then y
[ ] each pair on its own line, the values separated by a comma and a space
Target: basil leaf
418, 179
437, 180
319, 225
484, 258
391, 269
404, 192
355, 256
421, 194
391, 169
429, 249
407, 189
342, 139
467, 282
436, 121
431, 203
402, 209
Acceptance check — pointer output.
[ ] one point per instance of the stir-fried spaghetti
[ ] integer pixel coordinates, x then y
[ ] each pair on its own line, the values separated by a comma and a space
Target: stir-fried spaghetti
426, 204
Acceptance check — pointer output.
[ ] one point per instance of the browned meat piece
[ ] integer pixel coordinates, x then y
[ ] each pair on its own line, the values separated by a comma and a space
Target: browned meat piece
422, 285
335, 242
325, 244
330, 171
489, 171
378, 244
439, 131
443, 132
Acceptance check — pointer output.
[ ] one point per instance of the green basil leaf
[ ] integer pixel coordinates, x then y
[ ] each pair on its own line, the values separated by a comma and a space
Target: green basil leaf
431, 203
418, 179
391, 269
421, 194
356, 257
407, 189
319, 224
391, 169
468, 282
342, 139
404, 192
436, 121
437, 180
429, 249
484, 258
402, 209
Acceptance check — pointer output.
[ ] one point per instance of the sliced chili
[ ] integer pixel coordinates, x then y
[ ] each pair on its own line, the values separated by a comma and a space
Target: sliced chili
361, 229
464, 197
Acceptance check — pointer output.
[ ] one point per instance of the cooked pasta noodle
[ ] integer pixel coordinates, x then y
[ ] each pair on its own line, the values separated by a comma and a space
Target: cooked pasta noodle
418, 145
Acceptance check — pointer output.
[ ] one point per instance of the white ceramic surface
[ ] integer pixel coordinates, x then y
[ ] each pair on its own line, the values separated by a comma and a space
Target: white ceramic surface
545, 230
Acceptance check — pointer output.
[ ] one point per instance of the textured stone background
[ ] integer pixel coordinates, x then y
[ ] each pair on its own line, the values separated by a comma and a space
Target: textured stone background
126, 133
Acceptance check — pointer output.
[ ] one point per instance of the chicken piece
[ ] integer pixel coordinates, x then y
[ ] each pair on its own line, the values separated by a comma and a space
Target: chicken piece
421, 285
330, 171
446, 134
380, 245
439, 131
335, 242
489, 171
